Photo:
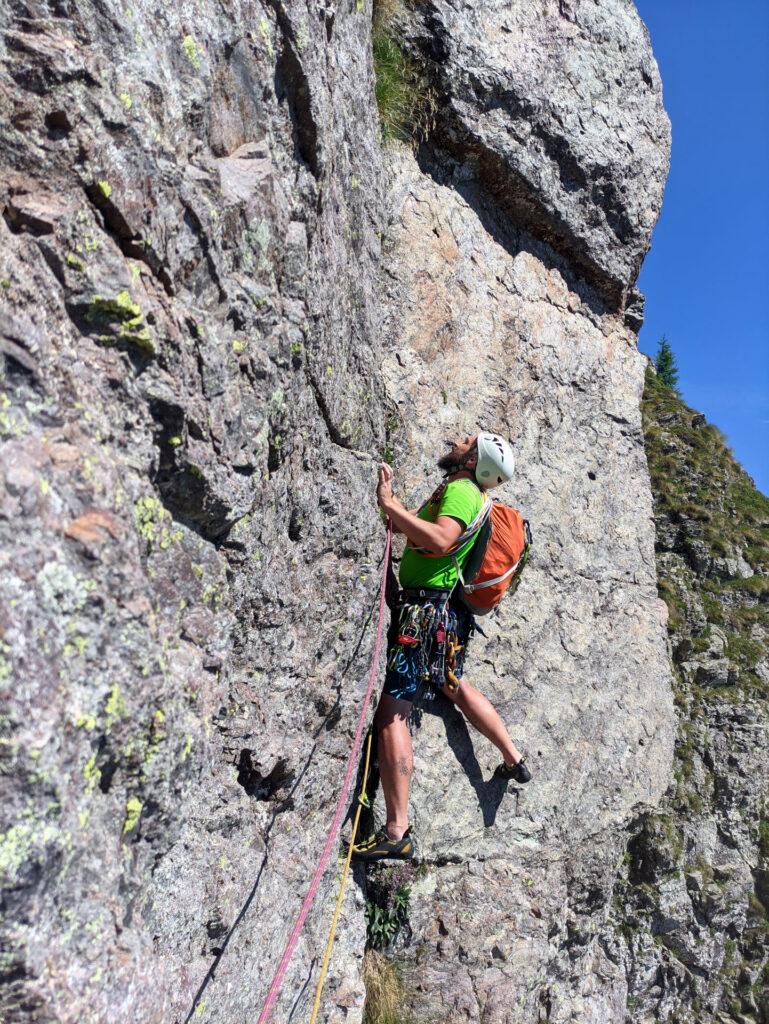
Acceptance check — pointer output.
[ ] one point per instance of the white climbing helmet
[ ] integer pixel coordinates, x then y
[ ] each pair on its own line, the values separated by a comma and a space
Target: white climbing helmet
495, 461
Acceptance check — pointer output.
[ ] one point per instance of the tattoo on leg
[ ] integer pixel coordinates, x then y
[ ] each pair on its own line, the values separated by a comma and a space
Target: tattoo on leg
404, 768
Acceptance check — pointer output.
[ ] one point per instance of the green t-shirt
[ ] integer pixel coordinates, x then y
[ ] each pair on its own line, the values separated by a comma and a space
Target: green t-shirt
462, 499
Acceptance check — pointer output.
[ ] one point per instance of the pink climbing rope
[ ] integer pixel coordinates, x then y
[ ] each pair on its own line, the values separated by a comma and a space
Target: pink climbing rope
277, 981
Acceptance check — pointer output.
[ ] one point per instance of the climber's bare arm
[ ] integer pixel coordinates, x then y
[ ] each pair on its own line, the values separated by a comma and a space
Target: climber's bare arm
438, 538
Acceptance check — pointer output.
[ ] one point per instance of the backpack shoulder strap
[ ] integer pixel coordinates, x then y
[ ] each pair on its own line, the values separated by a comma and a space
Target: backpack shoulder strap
470, 532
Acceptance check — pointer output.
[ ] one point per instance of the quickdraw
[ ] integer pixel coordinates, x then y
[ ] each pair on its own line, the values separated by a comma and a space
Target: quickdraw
430, 630
453, 648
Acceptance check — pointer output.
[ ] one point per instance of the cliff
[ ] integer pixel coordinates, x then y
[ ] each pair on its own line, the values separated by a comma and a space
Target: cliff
690, 924
223, 302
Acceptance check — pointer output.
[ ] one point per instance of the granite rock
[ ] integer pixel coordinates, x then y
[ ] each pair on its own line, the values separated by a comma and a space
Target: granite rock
557, 107
189, 424
219, 310
487, 326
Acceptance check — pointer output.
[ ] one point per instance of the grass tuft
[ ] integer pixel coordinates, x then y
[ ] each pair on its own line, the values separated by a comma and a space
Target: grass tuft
405, 100
384, 990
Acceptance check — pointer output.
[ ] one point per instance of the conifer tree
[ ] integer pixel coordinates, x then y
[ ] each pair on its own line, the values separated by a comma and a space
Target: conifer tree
665, 365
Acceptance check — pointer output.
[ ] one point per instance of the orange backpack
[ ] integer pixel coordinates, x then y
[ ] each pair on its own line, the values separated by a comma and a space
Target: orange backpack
496, 561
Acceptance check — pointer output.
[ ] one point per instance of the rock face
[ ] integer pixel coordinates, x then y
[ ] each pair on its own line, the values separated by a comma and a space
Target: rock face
689, 924
557, 109
486, 326
196, 389
190, 417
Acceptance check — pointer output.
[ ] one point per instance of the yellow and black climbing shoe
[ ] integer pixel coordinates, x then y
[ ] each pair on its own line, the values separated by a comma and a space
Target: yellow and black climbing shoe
517, 772
381, 847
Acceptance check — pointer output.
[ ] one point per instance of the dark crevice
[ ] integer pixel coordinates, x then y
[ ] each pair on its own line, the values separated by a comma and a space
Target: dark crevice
195, 225
264, 787
131, 245
292, 83
181, 485
21, 221
325, 412
15, 362
108, 770
275, 455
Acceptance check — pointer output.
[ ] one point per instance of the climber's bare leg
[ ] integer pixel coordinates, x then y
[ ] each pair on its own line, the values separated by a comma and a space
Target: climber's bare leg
479, 711
396, 761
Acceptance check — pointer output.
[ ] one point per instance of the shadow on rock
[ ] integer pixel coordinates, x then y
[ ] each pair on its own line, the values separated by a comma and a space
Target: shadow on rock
489, 793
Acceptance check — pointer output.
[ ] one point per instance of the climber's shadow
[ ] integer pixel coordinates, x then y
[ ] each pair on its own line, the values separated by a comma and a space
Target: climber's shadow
489, 793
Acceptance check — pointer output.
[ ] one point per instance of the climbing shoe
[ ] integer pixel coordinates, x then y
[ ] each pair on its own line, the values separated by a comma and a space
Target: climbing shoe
517, 772
381, 847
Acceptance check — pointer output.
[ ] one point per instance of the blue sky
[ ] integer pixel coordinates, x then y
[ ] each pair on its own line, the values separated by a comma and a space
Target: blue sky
706, 279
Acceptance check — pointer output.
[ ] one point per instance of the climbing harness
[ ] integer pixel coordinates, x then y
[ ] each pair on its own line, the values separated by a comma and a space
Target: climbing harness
428, 631
277, 981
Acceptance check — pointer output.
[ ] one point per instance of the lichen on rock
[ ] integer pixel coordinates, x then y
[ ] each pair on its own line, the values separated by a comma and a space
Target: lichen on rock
223, 303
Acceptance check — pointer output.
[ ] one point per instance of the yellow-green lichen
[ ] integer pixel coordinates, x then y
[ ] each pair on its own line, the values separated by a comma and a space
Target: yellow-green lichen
187, 748
86, 722
74, 262
264, 30
152, 521
133, 809
192, 52
115, 708
5, 666
91, 773
126, 98
105, 188
127, 314
17, 845
238, 346
80, 643
13, 424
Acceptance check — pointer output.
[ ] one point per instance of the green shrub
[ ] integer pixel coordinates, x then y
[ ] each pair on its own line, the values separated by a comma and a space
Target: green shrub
763, 837
387, 906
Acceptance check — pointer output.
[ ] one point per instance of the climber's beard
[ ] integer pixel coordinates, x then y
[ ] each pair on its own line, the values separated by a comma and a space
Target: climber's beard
453, 460
447, 464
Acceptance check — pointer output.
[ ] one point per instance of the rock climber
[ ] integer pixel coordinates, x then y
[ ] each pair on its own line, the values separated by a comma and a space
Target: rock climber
424, 615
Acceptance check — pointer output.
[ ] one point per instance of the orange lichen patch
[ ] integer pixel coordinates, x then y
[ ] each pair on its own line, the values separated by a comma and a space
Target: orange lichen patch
92, 526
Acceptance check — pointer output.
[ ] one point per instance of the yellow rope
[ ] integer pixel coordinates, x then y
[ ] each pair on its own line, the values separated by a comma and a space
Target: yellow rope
332, 936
